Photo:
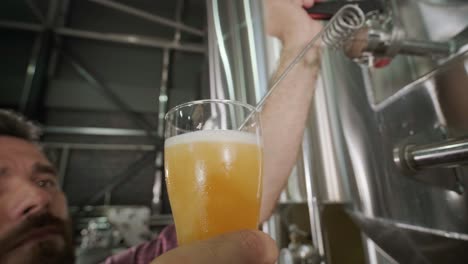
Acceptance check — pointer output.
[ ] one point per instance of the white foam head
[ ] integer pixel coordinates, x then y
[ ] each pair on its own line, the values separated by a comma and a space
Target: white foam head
214, 136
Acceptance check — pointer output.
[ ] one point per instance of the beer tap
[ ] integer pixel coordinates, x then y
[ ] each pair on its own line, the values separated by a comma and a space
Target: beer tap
381, 39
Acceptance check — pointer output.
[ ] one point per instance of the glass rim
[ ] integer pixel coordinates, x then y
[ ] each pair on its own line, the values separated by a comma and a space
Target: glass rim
199, 102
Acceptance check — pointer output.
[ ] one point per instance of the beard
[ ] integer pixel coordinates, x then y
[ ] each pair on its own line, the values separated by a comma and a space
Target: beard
48, 251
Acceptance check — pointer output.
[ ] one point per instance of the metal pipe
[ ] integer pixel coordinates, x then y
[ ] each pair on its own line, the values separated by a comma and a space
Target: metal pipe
35, 10
30, 74
109, 147
166, 61
58, 12
96, 131
148, 16
134, 40
163, 96
424, 48
446, 154
52, 13
107, 91
378, 43
63, 165
21, 26
131, 171
163, 104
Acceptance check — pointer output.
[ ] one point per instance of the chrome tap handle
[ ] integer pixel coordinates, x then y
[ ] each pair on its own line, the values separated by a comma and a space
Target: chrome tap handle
446, 154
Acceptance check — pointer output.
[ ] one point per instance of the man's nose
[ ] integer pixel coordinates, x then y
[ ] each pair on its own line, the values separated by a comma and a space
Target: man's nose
31, 199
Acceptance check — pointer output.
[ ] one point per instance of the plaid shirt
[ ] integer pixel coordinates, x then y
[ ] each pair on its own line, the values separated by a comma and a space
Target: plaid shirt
147, 252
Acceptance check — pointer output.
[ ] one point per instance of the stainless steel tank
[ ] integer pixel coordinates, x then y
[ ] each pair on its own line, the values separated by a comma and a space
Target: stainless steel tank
416, 217
236, 50
389, 144
397, 139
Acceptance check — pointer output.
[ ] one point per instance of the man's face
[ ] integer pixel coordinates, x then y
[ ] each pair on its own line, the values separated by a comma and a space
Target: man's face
34, 222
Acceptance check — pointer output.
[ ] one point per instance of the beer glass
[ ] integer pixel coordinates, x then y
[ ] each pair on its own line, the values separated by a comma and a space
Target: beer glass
213, 167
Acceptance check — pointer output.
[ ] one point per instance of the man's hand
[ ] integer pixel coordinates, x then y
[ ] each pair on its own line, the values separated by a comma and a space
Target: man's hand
244, 247
288, 21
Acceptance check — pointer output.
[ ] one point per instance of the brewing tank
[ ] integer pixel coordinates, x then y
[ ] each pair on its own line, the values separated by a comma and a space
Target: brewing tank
386, 142
398, 136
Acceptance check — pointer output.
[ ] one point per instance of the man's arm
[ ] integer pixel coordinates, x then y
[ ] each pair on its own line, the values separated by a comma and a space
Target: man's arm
285, 112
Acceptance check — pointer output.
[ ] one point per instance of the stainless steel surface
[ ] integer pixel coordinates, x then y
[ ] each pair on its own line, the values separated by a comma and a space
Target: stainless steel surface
426, 48
236, 43
451, 12
148, 16
306, 160
413, 243
323, 146
376, 254
364, 132
361, 115
447, 154
135, 40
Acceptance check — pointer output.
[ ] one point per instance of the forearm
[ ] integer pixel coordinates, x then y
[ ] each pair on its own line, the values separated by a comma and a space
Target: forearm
283, 118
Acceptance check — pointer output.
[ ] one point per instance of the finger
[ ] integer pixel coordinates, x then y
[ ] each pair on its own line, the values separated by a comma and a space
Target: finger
297, 2
307, 3
245, 247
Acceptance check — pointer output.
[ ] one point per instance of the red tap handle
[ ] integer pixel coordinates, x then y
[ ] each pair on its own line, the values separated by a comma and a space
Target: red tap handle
325, 10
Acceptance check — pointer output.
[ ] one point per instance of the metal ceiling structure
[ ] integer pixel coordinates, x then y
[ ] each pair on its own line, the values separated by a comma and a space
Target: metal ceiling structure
50, 22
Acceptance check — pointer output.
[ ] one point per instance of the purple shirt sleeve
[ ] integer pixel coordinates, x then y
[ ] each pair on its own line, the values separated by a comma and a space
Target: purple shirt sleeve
147, 252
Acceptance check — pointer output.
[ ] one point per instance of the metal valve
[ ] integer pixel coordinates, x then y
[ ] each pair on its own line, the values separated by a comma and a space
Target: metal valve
446, 154
379, 41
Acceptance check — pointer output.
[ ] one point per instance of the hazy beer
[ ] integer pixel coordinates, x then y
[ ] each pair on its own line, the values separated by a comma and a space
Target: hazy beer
214, 182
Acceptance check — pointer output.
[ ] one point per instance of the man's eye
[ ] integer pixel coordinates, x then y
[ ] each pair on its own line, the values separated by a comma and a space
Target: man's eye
47, 183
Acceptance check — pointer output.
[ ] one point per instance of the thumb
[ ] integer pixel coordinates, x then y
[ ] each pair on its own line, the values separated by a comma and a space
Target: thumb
244, 247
